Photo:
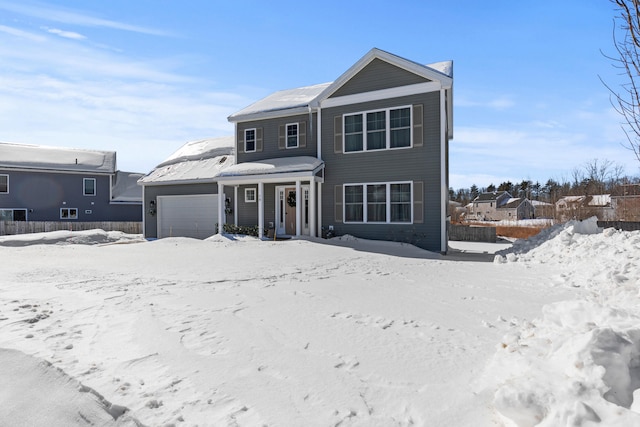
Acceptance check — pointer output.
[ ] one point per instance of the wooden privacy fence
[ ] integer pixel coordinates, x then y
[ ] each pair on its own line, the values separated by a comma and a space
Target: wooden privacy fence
26, 227
472, 234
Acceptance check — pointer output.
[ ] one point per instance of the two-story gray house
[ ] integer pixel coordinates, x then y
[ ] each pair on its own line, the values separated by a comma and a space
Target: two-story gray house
365, 155
39, 183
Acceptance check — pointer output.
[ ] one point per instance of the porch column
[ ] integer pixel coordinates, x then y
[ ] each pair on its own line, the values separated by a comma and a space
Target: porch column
235, 205
221, 218
260, 210
319, 212
299, 201
312, 207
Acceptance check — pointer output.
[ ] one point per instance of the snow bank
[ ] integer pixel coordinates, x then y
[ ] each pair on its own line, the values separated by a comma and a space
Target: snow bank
63, 237
579, 364
34, 393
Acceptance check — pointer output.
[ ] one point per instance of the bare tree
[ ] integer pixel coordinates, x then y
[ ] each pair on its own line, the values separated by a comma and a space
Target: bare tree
627, 100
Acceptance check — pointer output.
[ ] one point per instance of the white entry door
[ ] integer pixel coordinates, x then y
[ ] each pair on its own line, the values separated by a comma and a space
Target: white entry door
187, 216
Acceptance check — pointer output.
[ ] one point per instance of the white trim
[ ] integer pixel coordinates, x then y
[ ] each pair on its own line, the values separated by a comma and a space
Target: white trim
7, 175
235, 205
444, 190
247, 199
299, 201
221, 215
319, 135
255, 140
260, 210
269, 178
364, 202
286, 135
84, 187
387, 129
260, 115
312, 209
377, 95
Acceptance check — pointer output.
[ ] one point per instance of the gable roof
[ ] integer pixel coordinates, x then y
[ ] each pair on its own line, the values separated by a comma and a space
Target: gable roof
490, 196
195, 161
300, 100
290, 99
40, 157
125, 188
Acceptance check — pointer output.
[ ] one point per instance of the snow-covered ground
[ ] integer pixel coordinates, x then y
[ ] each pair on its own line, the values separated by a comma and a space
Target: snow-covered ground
235, 331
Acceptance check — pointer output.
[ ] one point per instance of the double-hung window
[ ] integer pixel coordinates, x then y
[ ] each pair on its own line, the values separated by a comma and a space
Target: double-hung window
292, 135
377, 130
89, 186
4, 184
385, 202
249, 140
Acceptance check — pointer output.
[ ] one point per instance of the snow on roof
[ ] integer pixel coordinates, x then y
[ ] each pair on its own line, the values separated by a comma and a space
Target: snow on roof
600, 200
444, 67
125, 188
282, 100
194, 161
274, 166
26, 156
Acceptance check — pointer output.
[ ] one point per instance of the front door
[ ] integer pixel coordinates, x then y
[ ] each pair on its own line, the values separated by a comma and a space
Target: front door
286, 210
290, 211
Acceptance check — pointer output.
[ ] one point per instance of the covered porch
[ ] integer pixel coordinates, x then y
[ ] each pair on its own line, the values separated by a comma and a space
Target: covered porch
280, 194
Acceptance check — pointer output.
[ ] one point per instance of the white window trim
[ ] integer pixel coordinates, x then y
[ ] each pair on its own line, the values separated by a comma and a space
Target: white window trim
69, 213
84, 187
247, 198
364, 202
255, 138
5, 192
387, 129
286, 135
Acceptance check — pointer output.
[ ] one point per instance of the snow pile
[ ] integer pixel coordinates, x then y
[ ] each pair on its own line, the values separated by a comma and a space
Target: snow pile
580, 363
34, 393
63, 237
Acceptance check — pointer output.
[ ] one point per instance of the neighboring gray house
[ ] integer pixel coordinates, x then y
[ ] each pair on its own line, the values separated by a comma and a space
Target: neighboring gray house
583, 207
500, 205
39, 183
365, 155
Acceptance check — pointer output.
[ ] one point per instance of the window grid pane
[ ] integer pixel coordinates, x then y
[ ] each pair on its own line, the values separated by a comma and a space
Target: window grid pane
353, 139
376, 130
400, 202
292, 136
89, 187
353, 198
377, 203
400, 124
250, 140
4, 183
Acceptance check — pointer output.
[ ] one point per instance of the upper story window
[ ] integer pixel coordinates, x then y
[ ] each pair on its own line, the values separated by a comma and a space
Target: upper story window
292, 135
249, 140
89, 186
4, 184
377, 130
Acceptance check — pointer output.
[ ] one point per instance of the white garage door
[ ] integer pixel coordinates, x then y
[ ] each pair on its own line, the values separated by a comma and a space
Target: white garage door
187, 216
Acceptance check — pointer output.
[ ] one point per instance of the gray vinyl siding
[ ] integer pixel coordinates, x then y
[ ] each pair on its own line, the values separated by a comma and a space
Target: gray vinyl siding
418, 164
271, 144
151, 192
377, 75
43, 194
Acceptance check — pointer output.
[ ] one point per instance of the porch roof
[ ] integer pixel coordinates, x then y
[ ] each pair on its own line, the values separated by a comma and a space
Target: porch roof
272, 170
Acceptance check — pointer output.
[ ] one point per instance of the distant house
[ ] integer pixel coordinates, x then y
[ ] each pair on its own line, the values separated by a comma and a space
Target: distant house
365, 155
39, 183
181, 193
500, 205
583, 207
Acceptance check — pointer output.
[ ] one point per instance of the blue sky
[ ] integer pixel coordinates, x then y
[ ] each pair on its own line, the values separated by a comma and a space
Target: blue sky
142, 77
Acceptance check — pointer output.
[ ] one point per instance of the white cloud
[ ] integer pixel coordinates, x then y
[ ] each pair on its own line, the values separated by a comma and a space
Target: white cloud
499, 103
67, 16
21, 33
66, 34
